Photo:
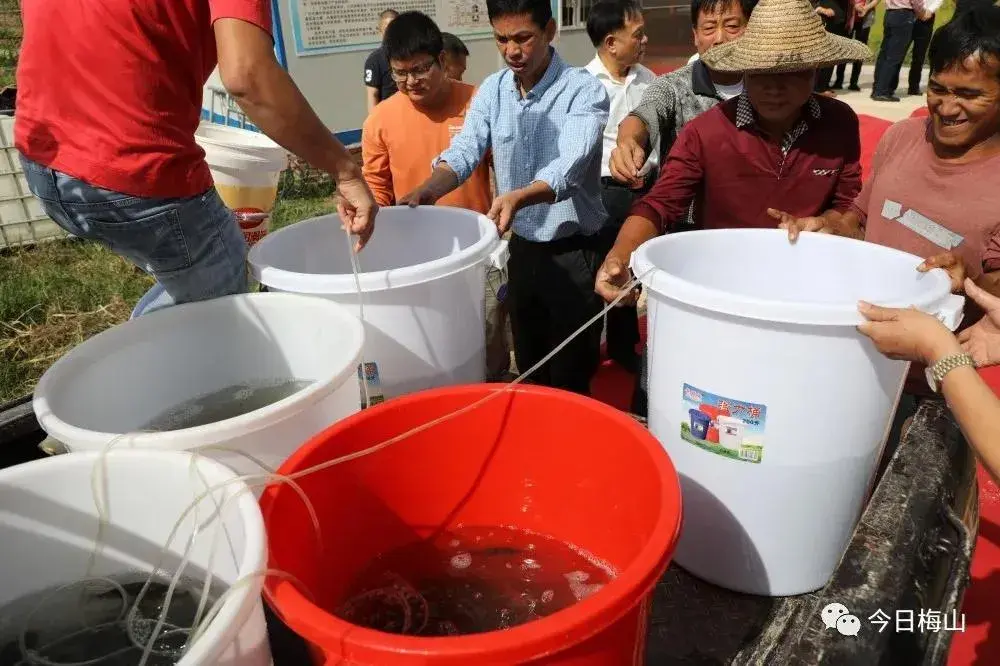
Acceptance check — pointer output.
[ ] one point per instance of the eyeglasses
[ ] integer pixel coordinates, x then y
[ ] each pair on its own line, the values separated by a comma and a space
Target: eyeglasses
418, 73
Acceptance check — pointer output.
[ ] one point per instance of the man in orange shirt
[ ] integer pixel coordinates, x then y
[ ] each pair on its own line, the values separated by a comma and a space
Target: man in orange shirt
404, 134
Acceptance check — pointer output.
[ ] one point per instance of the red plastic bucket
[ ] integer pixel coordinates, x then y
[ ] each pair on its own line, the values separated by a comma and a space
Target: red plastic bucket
541, 459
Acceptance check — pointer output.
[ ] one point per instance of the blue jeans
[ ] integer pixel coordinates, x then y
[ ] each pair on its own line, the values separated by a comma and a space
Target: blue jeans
192, 246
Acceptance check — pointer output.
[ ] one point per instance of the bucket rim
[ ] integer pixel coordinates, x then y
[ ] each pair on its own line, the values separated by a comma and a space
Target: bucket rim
373, 281
534, 639
672, 287
76, 438
238, 607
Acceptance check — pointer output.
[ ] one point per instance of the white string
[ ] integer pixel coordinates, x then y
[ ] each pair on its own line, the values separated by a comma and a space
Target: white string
100, 498
356, 270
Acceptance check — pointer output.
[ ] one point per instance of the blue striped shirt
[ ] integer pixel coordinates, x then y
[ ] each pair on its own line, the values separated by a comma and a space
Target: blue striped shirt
552, 134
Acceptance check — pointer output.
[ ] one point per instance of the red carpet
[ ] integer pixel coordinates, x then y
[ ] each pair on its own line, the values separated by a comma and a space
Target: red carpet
872, 129
613, 385
979, 645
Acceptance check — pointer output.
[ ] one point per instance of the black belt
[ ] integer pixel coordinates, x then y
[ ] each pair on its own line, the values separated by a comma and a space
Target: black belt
612, 184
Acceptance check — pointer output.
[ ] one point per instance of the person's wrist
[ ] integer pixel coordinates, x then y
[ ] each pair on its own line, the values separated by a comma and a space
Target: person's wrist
941, 346
346, 171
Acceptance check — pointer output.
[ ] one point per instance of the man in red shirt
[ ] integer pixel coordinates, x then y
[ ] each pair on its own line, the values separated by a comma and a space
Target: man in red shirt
776, 144
106, 124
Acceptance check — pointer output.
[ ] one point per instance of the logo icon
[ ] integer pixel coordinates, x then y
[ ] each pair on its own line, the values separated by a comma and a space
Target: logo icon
833, 612
848, 625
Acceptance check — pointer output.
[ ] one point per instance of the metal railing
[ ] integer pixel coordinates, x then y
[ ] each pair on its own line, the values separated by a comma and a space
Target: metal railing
222, 104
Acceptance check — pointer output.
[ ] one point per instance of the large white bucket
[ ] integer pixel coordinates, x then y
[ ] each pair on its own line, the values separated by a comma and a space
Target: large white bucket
744, 322
124, 378
49, 521
246, 167
422, 278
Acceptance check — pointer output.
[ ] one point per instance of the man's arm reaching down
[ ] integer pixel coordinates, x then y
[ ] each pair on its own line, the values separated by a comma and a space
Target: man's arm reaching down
273, 102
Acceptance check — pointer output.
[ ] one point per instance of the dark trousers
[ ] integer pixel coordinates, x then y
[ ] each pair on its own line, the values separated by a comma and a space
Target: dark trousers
922, 32
551, 294
897, 33
824, 75
861, 34
623, 322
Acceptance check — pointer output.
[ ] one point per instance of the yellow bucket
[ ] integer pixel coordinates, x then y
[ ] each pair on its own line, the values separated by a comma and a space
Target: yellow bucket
246, 167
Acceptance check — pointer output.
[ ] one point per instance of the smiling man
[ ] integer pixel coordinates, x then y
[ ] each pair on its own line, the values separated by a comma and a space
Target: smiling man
932, 191
543, 121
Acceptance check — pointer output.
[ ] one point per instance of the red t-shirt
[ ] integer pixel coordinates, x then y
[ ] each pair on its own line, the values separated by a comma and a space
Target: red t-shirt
116, 100
734, 174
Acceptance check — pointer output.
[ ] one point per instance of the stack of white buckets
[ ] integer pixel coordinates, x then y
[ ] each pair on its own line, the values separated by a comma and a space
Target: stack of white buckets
754, 333
423, 278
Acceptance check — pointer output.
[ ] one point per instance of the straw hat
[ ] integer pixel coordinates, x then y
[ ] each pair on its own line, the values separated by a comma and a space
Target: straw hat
784, 36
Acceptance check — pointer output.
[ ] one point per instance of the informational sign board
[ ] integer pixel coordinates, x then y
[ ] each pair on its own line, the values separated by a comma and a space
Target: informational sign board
321, 27
332, 26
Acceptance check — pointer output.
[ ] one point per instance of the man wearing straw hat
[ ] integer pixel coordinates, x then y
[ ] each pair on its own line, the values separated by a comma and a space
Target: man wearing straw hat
776, 145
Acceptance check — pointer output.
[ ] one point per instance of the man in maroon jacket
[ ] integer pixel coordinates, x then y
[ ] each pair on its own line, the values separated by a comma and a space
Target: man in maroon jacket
777, 145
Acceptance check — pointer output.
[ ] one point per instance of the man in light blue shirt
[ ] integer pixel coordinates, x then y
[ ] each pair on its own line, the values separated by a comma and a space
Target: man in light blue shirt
544, 122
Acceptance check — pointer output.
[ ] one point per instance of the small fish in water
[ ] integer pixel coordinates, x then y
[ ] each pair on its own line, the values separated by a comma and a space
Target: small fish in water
227, 403
441, 588
90, 622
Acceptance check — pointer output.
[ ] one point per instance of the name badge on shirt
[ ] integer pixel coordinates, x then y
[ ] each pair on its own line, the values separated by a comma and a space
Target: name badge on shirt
454, 130
921, 225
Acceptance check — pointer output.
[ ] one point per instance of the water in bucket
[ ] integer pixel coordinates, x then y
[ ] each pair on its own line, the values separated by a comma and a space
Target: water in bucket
470, 581
227, 403
90, 623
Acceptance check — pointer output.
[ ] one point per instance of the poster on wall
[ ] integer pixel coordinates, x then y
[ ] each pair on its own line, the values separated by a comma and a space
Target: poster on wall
320, 27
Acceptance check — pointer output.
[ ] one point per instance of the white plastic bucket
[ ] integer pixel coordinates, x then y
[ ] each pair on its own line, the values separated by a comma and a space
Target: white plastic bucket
124, 378
422, 278
246, 167
745, 325
49, 520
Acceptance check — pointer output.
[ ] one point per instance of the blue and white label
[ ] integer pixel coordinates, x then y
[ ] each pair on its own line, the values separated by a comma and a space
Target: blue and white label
724, 426
369, 377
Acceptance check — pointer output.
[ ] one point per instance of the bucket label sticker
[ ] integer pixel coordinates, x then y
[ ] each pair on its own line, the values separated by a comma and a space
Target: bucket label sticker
369, 375
726, 427
253, 223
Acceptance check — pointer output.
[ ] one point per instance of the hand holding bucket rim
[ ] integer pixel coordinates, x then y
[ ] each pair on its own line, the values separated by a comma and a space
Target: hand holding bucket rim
795, 226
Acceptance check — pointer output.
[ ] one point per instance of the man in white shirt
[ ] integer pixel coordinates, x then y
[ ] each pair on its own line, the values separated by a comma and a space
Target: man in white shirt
618, 31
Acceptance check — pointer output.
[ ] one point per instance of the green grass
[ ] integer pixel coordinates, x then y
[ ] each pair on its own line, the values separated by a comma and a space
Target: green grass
875, 38
55, 295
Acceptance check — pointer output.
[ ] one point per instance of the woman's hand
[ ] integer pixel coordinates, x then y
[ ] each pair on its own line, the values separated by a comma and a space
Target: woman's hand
908, 335
982, 339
